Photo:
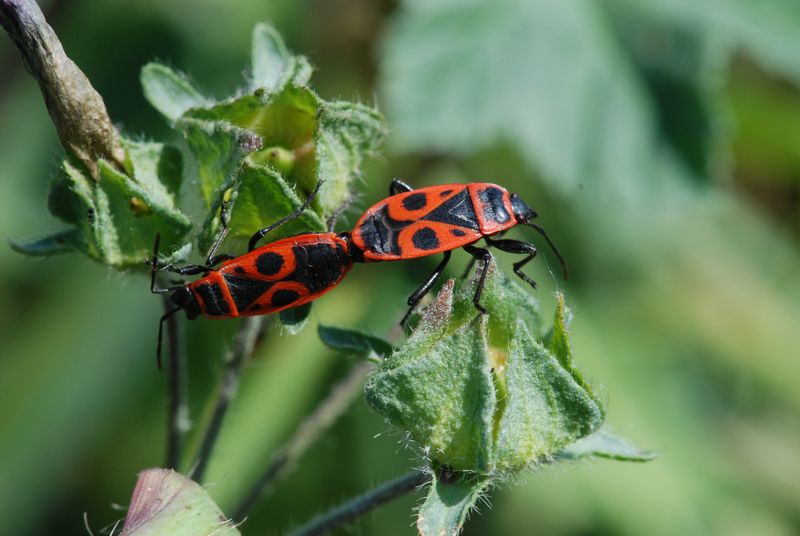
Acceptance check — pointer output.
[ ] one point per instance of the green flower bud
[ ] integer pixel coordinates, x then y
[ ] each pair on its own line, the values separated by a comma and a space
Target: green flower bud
485, 393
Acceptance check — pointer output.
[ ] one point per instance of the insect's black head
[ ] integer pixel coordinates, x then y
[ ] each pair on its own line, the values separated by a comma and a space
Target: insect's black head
522, 211
184, 298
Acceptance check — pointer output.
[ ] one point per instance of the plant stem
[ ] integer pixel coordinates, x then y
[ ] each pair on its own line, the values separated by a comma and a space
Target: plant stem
352, 509
243, 346
177, 406
323, 416
77, 110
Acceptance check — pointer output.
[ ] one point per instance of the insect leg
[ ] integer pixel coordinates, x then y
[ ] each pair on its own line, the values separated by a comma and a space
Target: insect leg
164, 317
212, 258
154, 268
425, 287
484, 257
398, 186
339, 211
189, 269
293, 216
517, 246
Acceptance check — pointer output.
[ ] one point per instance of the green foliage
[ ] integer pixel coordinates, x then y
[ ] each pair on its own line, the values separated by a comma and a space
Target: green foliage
676, 292
500, 64
262, 148
765, 30
117, 216
448, 503
171, 93
482, 394
486, 399
350, 340
261, 152
604, 444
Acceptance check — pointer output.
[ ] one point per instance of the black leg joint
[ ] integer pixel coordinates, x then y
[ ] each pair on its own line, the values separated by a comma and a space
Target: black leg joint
398, 186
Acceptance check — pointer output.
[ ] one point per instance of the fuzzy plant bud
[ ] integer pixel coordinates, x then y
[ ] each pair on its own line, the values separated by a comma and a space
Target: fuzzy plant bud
486, 394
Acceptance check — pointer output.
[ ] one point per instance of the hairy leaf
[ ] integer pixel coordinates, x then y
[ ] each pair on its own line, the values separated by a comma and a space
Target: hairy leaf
604, 444
117, 216
169, 92
350, 340
270, 58
448, 502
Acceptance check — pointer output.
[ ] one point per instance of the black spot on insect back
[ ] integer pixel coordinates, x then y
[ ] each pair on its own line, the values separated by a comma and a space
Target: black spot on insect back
269, 263
457, 232
284, 297
318, 266
425, 238
415, 201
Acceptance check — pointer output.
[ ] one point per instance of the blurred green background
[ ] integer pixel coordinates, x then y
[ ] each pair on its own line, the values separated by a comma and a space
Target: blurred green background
660, 143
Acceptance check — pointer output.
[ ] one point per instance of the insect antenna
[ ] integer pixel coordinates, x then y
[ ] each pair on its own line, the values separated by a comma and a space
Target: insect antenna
553, 247
154, 269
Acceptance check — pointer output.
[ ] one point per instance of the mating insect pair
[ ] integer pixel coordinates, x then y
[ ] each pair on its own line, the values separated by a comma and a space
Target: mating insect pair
408, 224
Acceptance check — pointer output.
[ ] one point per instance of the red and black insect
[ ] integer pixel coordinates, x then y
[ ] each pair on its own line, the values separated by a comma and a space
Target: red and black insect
438, 219
267, 279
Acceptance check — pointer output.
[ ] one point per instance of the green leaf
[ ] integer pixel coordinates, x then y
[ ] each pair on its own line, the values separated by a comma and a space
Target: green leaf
261, 197
270, 57
283, 118
687, 80
346, 133
117, 217
767, 31
448, 503
350, 340
219, 149
559, 345
169, 92
604, 444
56, 243
166, 502
266, 150
501, 64
302, 138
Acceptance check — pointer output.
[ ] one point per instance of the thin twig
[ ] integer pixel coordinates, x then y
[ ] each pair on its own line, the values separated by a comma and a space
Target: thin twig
177, 393
323, 416
243, 346
76, 108
352, 509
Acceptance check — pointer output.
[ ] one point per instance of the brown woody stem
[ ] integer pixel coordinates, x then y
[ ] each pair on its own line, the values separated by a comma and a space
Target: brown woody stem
77, 110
